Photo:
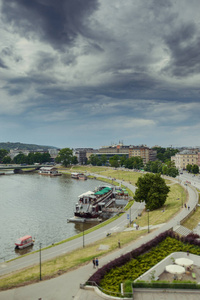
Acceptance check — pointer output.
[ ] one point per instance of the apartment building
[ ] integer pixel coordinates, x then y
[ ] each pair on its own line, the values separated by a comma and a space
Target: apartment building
147, 154
118, 149
186, 157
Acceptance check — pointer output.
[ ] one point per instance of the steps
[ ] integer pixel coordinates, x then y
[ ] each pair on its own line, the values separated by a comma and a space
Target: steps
182, 230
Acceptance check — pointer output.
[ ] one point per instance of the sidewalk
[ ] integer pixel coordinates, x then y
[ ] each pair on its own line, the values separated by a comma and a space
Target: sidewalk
67, 286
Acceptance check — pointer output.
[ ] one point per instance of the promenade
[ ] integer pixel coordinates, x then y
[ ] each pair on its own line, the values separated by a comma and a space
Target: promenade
67, 286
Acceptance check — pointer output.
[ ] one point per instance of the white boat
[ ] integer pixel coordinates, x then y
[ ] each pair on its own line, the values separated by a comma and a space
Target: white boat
91, 204
78, 176
50, 171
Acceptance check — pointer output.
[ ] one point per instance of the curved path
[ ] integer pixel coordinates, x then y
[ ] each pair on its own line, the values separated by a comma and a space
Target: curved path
67, 285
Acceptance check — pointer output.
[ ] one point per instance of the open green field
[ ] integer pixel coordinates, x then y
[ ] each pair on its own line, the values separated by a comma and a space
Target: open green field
64, 263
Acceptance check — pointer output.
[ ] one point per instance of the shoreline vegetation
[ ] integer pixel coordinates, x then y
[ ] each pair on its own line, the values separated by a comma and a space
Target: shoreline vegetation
79, 257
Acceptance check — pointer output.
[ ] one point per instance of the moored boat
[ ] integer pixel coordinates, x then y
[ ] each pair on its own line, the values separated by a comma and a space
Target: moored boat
78, 176
50, 171
24, 242
91, 204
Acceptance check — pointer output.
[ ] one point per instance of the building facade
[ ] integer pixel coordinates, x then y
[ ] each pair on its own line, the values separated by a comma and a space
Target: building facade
147, 154
186, 157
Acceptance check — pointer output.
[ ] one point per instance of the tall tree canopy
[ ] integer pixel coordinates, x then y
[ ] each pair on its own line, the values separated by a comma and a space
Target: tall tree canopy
152, 189
3, 153
65, 156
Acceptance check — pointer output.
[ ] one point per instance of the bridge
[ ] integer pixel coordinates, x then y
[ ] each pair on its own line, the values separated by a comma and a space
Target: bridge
19, 168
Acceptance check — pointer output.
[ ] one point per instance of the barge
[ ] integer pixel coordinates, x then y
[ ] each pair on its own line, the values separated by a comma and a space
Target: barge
91, 204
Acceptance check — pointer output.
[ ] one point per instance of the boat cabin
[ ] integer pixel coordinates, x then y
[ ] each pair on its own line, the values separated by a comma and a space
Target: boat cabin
24, 242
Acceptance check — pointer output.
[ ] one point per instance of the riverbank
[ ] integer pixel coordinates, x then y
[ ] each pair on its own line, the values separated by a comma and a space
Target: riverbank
31, 275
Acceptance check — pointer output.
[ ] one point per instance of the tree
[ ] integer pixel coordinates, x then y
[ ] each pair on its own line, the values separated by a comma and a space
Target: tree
74, 160
189, 168
114, 161
20, 159
3, 153
172, 172
6, 160
152, 189
46, 157
104, 159
195, 169
135, 162
94, 160
65, 156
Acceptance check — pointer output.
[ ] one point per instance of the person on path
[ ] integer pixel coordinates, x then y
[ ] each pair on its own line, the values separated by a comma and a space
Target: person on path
119, 244
97, 262
94, 263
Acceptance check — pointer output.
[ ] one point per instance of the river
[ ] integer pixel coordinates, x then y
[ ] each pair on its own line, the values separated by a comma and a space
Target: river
38, 205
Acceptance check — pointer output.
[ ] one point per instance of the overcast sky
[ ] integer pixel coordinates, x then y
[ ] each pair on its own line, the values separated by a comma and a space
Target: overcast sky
89, 73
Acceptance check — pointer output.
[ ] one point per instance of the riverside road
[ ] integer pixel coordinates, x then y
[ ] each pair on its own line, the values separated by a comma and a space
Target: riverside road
67, 285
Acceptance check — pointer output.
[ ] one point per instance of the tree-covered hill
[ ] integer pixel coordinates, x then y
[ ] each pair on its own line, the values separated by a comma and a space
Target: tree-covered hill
20, 146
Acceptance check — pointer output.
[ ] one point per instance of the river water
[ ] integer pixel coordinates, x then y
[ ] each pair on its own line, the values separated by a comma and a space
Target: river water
38, 205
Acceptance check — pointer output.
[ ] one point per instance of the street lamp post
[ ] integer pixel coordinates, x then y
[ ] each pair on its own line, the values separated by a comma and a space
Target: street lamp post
83, 236
148, 219
40, 263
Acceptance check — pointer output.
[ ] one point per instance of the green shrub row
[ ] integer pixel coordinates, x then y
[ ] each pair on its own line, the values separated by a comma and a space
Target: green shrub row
166, 284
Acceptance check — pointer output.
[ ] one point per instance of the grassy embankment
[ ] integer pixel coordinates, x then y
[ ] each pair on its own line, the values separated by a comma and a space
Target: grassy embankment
84, 255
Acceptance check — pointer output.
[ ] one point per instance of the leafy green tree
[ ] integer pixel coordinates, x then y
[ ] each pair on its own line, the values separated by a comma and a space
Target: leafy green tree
165, 154
195, 169
31, 158
152, 189
164, 169
123, 159
189, 168
74, 160
46, 157
154, 166
65, 156
20, 159
38, 157
3, 153
6, 160
114, 161
104, 159
135, 162
173, 172
94, 160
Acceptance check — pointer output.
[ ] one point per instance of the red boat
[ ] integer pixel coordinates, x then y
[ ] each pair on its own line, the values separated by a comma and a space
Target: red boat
24, 242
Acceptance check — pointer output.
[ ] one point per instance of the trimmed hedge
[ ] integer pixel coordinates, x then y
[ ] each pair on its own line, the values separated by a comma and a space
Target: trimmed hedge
166, 285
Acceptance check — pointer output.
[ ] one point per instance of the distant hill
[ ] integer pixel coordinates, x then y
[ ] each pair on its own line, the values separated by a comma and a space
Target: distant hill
20, 146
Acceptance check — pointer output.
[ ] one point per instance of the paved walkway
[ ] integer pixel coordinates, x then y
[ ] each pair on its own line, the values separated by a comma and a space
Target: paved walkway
67, 286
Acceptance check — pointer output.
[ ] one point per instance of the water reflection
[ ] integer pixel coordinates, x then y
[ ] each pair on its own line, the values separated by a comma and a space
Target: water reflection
24, 251
79, 227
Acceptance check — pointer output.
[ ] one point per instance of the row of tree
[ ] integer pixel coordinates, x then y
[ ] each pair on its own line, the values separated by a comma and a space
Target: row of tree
21, 158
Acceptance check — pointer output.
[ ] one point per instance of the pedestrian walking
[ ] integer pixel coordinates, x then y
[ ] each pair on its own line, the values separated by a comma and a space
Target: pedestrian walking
119, 244
185, 205
94, 263
97, 262
188, 208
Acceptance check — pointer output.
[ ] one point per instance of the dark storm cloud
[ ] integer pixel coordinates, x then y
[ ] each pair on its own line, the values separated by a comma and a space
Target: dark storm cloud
58, 22
184, 44
2, 64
